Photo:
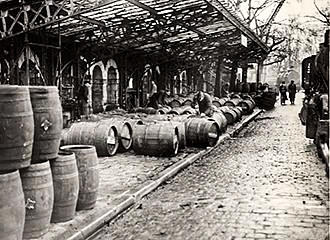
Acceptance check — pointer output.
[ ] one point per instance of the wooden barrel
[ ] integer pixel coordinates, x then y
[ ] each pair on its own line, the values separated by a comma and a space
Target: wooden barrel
102, 135
189, 110
12, 206
48, 122
181, 133
148, 110
201, 132
167, 119
158, 139
187, 102
220, 118
16, 127
39, 198
232, 102
231, 116
175, 111
163, 110
238, 111
224, 109
219, 102
247, 97
247, 106
182, 110
125, 132
176, 102
87, 163
66, 186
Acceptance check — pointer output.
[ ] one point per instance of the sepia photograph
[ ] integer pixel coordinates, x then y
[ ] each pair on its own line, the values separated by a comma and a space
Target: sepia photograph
164, 119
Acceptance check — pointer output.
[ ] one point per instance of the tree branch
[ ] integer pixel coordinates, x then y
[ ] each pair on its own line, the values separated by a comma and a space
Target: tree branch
327, 17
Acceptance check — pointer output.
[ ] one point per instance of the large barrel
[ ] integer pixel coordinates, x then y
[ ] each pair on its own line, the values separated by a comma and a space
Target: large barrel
247, 106
187, 102
182, 110
66, 186
220, 118
232, 102
87, 163
158, 139
219, 102
167, 120
125, 132
148, 110
176, 102
12, 206
39, 198
224, 109
231, 116
48, 122
201, 132
102, 135
238, 111
16, 127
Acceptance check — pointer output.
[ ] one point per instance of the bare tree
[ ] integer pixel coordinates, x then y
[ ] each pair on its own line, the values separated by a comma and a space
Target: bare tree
324, 14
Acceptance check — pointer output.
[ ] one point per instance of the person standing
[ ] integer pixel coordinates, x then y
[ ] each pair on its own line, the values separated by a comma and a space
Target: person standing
292, 89
283, 91
83, 98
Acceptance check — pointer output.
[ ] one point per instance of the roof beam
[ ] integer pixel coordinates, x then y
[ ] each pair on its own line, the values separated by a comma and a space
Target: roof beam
155, 13
62, 11
89, 20
233, 19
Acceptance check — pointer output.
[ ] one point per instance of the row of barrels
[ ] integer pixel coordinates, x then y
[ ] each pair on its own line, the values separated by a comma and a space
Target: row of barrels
183, 105
117, 133
177, 110
30, 125
108, 133
51, 191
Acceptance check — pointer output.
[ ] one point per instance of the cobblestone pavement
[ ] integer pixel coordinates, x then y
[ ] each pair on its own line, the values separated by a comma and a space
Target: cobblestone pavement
267, 183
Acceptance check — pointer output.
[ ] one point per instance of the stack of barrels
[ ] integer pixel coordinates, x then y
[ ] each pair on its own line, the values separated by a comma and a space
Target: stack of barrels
39, 184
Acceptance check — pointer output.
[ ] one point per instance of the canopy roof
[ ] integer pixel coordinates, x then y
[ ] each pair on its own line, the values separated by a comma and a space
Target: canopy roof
193, 27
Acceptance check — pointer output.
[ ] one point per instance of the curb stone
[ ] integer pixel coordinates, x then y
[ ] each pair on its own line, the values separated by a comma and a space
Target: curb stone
132, 197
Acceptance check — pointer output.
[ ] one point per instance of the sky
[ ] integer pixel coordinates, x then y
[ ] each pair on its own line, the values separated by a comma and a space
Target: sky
291, 8
301, 8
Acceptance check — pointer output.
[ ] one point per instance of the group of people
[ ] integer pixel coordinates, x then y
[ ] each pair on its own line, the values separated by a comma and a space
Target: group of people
292, 89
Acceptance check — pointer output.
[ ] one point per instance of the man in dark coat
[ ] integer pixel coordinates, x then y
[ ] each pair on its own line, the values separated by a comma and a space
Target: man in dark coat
292, 89
204, 102
283, 91
83, 98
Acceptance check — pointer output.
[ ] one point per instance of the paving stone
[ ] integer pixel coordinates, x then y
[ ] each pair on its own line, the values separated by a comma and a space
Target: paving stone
267, 183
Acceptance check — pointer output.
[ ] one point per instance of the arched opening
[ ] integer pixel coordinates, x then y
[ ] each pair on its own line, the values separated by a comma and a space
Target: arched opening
112, 86
97, 90
34, 75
